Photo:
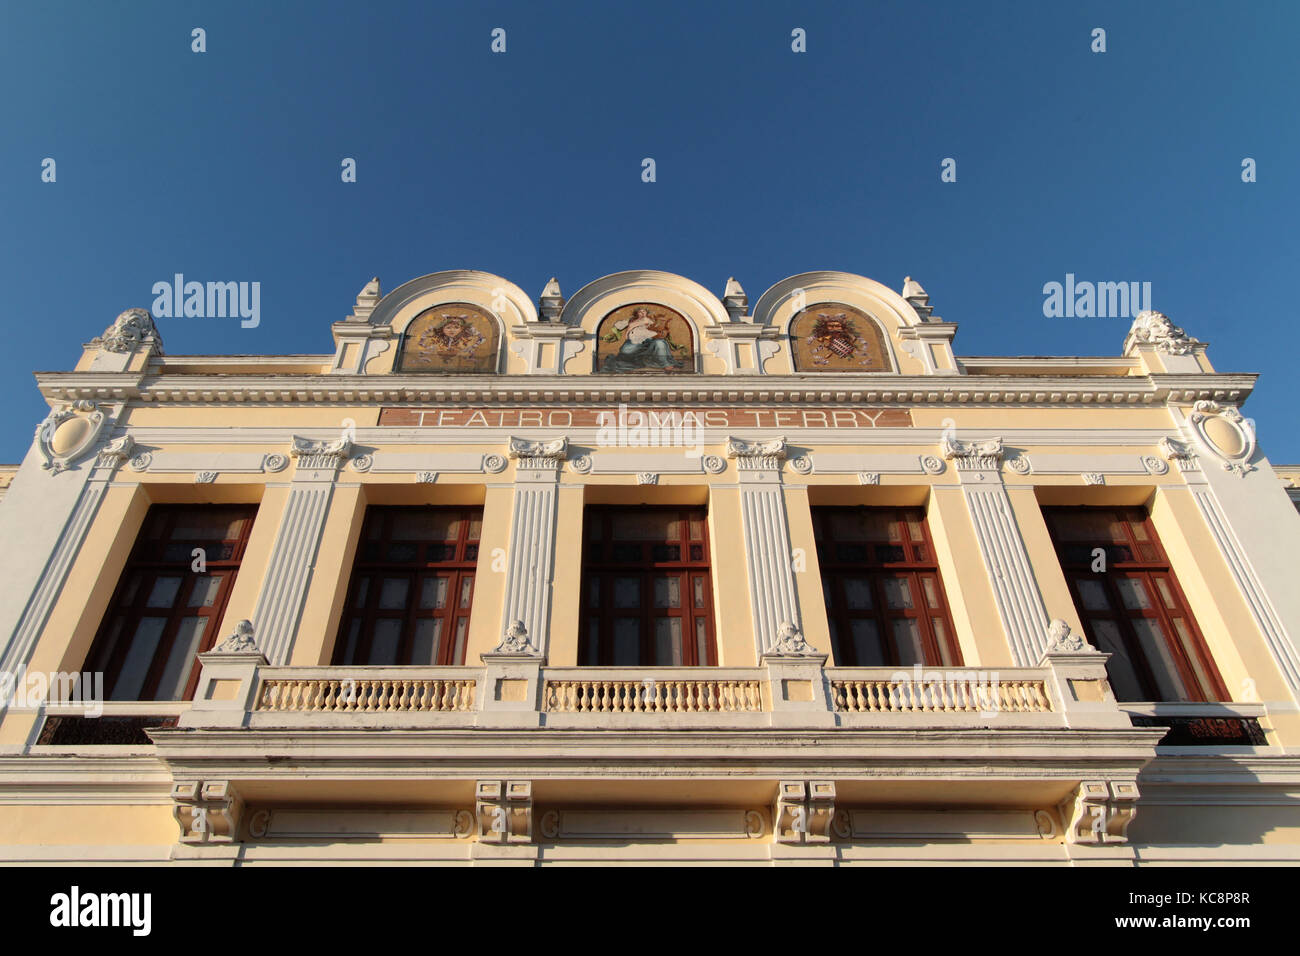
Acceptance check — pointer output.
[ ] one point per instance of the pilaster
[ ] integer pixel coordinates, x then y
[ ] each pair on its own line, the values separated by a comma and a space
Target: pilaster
773, 600
530, 557
288, 573
1019, 601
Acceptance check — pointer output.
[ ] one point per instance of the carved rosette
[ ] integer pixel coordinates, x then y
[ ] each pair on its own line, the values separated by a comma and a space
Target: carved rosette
982, 455
141, 462
1154, 465
494, 464
539, 454
933, 465
276, 463
802, 464
1156, 328
757, 455
363, 463
714, 464
1019, 464
129, 331
582, 464
1222, 432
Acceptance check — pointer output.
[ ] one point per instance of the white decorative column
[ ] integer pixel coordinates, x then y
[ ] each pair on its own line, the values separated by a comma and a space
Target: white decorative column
1247, 517
67, 499
772, 597
530, 564
288, 573
1020, 603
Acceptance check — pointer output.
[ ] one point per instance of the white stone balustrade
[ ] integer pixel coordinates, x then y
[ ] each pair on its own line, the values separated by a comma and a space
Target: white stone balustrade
1066, 690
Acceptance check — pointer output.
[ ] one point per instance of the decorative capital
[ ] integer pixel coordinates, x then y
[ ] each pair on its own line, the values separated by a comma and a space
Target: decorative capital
1155, 328
515, 640
115, 452
320, 454
982, 455
539, 454
1061, 640
757, 455
129, 331
240, 642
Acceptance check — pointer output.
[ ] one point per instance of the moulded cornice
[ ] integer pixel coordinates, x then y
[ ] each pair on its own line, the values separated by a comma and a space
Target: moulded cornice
993, 390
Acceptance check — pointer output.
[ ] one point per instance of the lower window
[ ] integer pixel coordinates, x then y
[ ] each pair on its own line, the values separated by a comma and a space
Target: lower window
169, 601
1132, 607
885, 601
412, 587
646, 594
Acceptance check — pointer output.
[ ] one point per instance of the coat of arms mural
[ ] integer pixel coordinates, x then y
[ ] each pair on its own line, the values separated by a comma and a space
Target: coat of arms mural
456, 337
832, 337
644, 337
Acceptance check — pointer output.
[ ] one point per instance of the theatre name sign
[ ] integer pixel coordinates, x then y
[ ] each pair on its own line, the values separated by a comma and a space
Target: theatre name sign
631, 417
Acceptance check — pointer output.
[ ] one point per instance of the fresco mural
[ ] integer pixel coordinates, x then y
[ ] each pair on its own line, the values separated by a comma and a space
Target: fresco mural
833, 337
454, 337
644, 337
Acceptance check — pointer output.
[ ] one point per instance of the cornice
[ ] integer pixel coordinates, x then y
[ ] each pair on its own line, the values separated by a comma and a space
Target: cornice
991, 390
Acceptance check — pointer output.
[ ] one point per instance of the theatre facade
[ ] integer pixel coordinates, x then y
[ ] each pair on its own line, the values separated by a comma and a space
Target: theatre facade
646, 574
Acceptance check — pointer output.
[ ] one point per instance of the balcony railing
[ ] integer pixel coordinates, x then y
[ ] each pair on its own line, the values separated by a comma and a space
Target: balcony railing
368, 690
240, 690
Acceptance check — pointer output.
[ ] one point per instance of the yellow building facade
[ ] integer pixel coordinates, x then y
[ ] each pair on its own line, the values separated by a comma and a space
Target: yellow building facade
648, 575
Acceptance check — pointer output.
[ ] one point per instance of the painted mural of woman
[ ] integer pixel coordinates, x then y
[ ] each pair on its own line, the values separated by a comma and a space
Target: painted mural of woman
646, 344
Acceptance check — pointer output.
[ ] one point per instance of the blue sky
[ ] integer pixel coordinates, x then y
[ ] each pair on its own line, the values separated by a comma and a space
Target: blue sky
225, 166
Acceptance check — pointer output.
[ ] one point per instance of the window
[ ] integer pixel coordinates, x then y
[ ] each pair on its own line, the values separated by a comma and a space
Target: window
647, 599
1134, 610
412, 587
164, 610
884, 598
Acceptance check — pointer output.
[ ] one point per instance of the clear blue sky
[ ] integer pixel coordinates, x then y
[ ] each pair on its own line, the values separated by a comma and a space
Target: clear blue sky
226, 165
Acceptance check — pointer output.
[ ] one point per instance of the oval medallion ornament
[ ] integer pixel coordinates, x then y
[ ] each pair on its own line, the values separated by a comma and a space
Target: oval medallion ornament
1224, 435
68, 434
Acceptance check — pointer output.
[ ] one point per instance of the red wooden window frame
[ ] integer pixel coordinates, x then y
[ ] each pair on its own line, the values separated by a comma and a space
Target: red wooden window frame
157, 558
609, 562
419, 568
1136, 570
860, 576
